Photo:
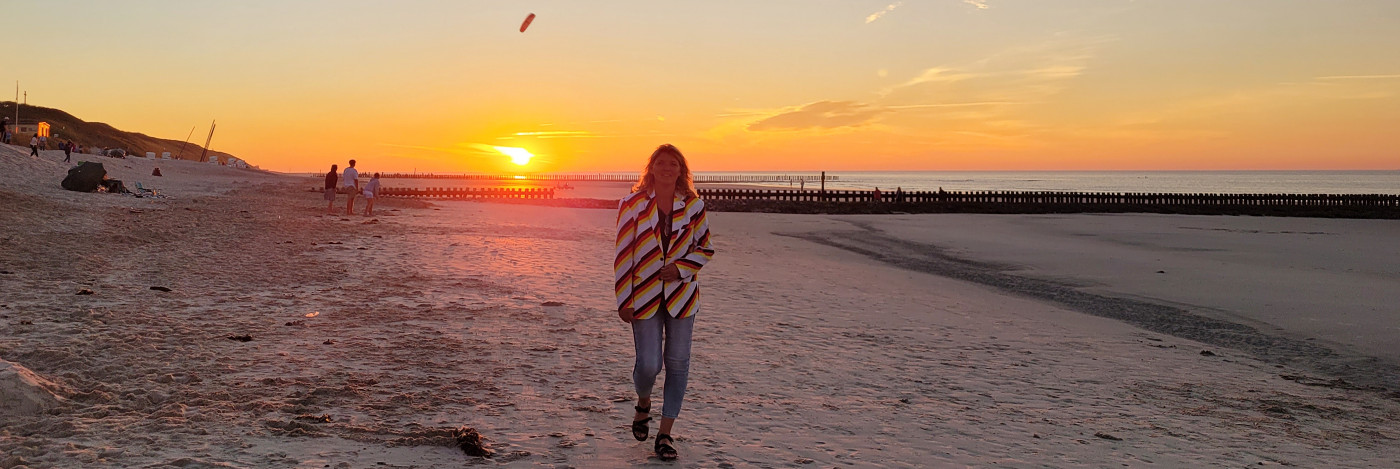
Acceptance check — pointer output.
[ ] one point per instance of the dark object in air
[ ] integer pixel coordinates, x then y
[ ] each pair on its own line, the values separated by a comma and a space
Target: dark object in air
85, 177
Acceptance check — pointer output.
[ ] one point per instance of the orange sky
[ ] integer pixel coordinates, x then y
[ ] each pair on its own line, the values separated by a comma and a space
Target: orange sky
739, 86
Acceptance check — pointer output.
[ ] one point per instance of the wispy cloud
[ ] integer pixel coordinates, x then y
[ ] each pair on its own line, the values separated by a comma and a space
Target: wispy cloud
821, 115
877, 15
1360, 77
980, 4
559, 134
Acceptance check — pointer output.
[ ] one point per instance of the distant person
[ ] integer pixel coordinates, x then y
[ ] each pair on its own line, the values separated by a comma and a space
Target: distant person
67, 152
371, 192
34, 145
5, 130
875, 196
156, 172
331, 179
652, 248
899, 194
44, 142
801, 184
350, 184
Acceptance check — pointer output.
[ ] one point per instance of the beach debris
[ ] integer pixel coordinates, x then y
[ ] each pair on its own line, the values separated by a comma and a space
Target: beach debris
471, 442
160, 288
84, 292
241, 338
1107, 436
323, 418
552, 303
1161, 271
328, 342
1207, 353
528, 19
804, 460
5, 272
295, 323
372, 221
313, 314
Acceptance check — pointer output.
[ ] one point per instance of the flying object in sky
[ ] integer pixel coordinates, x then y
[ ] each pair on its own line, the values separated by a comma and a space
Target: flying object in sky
526, 24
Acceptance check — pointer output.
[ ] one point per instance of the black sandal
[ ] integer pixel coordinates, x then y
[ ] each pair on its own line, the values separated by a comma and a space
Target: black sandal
639, 427
664, 450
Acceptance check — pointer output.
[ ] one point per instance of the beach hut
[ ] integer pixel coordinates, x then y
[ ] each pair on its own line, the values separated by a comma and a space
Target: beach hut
150, 155
214, 159
165, 155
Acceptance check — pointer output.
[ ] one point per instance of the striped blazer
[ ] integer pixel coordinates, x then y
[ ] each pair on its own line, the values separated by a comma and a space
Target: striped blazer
639, 258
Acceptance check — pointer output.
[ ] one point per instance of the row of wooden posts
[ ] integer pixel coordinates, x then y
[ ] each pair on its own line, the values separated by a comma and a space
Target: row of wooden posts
469, 192
708, 178
1003, 197
1015, 197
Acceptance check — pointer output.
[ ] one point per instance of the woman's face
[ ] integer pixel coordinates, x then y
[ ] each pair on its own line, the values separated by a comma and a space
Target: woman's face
666, 168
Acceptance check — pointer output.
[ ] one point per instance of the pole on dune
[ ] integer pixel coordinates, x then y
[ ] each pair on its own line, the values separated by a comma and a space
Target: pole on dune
187, 142
16, 132
202, 154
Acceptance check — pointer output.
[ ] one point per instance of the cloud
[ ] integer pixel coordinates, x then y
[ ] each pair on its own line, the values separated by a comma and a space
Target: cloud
1359, 77
877, 15
821, 115
980, 4
559, 134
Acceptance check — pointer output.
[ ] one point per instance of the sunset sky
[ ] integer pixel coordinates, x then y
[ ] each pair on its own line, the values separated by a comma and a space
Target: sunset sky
737, 85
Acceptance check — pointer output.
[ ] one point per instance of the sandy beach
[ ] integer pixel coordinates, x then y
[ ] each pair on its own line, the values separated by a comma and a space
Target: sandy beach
823, 341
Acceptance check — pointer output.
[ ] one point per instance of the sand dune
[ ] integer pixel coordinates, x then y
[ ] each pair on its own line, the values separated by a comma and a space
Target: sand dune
372, 338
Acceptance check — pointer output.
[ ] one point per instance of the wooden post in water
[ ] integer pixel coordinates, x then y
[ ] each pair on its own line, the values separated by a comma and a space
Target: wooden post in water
823, 192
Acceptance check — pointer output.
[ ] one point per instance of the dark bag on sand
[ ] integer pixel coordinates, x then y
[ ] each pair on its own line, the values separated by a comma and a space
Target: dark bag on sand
114, 186
85, 177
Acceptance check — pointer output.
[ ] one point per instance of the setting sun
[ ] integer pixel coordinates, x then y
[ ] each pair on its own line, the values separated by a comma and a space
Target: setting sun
518, 156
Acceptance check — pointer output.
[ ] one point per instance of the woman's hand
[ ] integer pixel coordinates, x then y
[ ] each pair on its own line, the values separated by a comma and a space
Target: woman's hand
670, 273
626, 314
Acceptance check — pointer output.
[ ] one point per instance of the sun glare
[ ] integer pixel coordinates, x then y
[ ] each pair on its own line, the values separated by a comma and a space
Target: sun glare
517, 155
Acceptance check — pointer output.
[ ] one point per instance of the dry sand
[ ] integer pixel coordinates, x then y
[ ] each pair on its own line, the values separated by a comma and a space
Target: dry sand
373, 337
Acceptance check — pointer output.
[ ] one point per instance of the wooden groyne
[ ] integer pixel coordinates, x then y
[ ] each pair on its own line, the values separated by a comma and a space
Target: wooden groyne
709, 178
468, 192
850, 201
862, 201
1089, 198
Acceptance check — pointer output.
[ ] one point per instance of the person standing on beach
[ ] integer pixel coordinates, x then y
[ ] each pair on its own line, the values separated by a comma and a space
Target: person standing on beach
331, 179
663, 239
5, 130
34, 145
350, 185
68, 152
371, 191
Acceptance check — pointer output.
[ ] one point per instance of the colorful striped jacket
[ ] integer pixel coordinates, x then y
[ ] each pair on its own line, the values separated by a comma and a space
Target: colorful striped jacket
639, 257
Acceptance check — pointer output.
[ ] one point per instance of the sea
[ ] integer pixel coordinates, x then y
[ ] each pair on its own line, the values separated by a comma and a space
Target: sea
1169, 182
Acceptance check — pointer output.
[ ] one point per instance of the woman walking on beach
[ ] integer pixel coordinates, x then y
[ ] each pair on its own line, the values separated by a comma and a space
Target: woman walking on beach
663, 239
34, 145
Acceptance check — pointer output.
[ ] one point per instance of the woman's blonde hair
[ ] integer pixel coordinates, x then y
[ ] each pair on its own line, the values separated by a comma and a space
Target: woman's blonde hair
685, 182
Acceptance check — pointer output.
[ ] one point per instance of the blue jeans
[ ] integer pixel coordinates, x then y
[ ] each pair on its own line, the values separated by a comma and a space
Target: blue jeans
663, 339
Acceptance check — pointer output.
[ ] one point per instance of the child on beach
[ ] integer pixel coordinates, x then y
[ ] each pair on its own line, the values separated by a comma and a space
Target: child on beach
371, 190
331, 179
663, 239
